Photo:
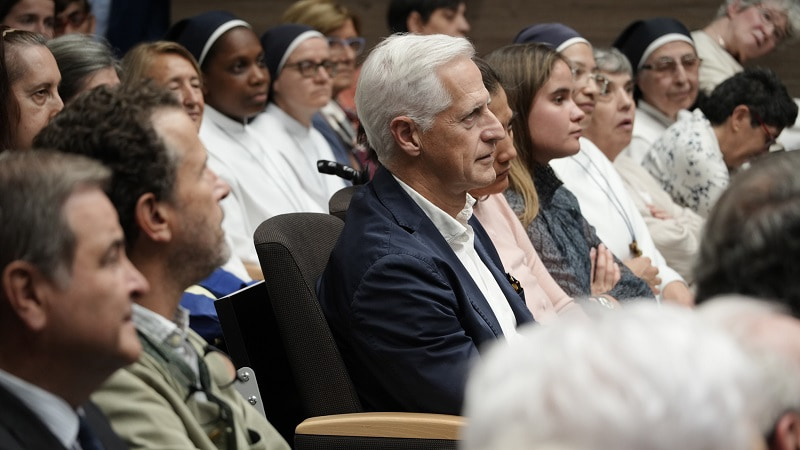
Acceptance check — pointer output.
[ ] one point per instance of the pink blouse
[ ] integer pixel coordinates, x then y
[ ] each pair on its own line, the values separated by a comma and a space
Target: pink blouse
544, 297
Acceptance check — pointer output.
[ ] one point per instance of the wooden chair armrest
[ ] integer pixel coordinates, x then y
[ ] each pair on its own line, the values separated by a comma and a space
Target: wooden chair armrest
385, 424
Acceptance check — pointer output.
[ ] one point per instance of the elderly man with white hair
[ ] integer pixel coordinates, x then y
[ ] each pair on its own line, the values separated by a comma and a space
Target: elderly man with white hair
645, 377
414, 286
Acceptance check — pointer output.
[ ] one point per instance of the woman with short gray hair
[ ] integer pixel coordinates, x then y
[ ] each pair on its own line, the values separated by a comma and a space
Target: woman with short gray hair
84, 63
675, 229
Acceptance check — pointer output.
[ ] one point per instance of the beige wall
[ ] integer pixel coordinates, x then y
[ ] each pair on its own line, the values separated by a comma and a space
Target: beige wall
496, 22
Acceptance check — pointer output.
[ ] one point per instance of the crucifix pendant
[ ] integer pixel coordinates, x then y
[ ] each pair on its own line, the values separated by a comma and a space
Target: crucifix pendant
634, 246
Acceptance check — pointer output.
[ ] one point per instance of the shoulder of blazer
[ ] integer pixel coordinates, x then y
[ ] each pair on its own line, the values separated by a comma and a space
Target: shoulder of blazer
19, 423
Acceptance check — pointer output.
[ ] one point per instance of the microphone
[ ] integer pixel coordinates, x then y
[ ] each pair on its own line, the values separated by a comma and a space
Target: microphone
348, 173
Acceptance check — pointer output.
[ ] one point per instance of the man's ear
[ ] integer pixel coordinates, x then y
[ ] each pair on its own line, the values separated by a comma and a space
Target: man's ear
153, 216
26, 289
787, 432
414, 23
741, 118
406, 134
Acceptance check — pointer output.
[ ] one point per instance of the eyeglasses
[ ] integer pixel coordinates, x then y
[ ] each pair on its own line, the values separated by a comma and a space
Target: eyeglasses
75, 20
355, 43
771, 139
771, 16
581, 75
310, 69
669, 65
604, 85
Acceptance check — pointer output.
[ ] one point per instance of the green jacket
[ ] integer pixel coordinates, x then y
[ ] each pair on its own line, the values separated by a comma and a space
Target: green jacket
151, 405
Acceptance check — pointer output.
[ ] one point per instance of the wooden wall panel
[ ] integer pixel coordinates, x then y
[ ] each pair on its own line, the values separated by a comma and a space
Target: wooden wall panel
495, 22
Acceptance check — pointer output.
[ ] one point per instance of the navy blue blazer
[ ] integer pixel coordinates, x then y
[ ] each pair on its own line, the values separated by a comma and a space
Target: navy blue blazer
406, 314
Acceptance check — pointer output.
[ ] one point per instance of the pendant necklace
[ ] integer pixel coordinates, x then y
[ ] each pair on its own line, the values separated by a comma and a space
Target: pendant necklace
612, 197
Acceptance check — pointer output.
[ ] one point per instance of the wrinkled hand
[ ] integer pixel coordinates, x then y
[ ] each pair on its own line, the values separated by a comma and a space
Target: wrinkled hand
604, 272
659, 213
643, 268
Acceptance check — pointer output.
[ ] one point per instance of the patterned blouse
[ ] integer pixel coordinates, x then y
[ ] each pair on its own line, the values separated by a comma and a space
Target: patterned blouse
563, 239
688, 163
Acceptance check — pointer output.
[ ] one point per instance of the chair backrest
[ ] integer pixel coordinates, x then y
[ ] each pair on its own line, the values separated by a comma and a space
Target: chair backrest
253, 340
293, 250
340, 201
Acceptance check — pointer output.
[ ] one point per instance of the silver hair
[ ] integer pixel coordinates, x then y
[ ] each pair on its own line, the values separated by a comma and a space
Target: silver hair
790, 7
644, 377
752, 323
34, 185
400, 78
78, 57
611, 60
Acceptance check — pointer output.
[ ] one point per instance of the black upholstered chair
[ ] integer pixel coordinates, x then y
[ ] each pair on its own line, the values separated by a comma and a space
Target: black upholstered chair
340, 201
252, 340
293, 250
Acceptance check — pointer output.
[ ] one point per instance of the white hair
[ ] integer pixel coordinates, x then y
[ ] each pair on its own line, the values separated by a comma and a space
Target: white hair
640, 378
772, 338
400, 78
790, 7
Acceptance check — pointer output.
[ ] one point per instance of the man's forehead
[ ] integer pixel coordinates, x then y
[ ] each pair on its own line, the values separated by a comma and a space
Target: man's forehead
159, 114
173, 124
461, 77
88, 211
179, 134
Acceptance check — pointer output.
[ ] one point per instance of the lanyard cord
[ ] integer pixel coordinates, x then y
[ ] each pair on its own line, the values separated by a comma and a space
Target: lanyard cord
615, 201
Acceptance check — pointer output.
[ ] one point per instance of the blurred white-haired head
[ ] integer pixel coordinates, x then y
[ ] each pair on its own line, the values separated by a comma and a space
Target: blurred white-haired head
644, 377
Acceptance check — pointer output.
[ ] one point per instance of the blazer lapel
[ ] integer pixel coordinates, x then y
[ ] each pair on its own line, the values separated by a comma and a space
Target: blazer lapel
102, 428
24, 424
478, 301
515, 300
410, 216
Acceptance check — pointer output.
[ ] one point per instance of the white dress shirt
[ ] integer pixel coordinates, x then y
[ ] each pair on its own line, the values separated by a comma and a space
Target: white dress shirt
461, 238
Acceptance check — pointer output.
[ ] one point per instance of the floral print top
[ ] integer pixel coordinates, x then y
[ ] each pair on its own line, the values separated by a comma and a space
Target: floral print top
688, 163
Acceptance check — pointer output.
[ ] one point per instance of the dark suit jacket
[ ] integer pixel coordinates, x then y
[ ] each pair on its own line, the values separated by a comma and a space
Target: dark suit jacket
20, 428
406, 314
